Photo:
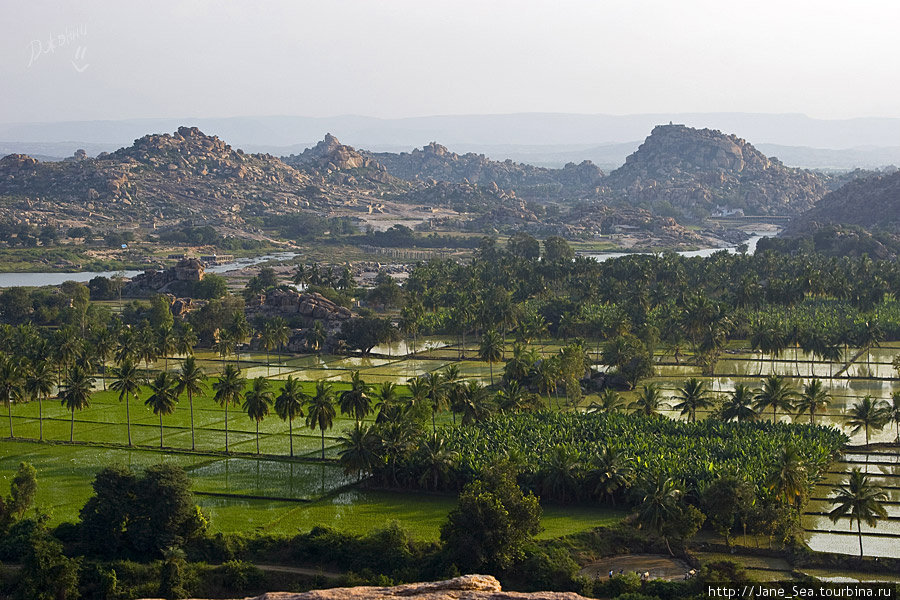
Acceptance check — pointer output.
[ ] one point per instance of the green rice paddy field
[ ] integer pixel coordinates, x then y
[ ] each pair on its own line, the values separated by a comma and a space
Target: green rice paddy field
272, 494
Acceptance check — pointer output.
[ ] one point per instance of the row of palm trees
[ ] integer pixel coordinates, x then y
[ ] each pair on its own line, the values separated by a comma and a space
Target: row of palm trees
748, 404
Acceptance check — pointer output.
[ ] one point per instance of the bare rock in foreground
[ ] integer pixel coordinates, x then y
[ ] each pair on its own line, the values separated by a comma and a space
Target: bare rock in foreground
467, 587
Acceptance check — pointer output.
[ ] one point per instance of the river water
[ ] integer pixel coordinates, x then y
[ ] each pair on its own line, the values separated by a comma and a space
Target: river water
40, 279
751, 248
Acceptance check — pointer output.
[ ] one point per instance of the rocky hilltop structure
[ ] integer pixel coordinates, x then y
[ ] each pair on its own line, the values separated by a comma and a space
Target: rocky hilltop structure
436, 162
155, 281
467, 587
871, 203
693, 173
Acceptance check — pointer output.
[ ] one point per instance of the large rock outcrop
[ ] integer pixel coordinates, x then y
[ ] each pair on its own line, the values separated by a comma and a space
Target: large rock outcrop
436, 162
467, 587
158, 281
871, 203
689, 173
286, 303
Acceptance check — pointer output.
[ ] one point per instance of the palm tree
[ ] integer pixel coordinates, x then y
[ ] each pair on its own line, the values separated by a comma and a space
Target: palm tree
257, 401
358, 450
190, 379
894, 413
860, 500
10, 386
867, 414
128, 381
146, 346
436, 394
315, 336
38, 385
126, 346
77, 394
560, 473
693, 395
491, 349
738, 406
660, 504
228, 391
222, 344
776, 393
268, 337
355, 402
476, 403
436, 460
320, 411
610, 472
610, 402
166, 343
790, 479
387, 405
104, 344
649, 401
289, 405
185, 340
163, 398
813, 399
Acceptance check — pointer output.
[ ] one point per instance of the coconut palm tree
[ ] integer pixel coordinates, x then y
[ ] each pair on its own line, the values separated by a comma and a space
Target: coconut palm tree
162, 399
223, 344
491, 349
660, 504
437, 461
146, 346
126, 346
289, 405
356, 402
560, 473
257, 401
610, 401
166, 343
38, 385
11, 391
103, 344
868, 414
127, 381
387, 399
894, 413
358, 450
738, 405
476, 403
228, 390
860, 500
610, 472
315, 337
776, 393
185, 340
76, 395
437, 395
813, 399
190, 378
268, 336
693, 396
320, 411
649, 401
789, 481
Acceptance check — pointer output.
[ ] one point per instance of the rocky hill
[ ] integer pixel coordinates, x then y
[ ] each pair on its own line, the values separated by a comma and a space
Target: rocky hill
871, 203
159, 177
687, 173
330, 161
436, 162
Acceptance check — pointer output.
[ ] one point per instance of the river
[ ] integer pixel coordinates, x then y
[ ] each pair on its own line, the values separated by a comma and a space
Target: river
751, 248
41, 279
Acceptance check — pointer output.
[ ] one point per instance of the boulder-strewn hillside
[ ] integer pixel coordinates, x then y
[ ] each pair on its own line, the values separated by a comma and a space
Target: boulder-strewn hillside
686, 172
160, 176
872, 202
435, 162
329, 161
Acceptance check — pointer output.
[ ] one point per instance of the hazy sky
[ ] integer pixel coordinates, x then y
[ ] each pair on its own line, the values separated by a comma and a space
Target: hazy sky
824, 58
